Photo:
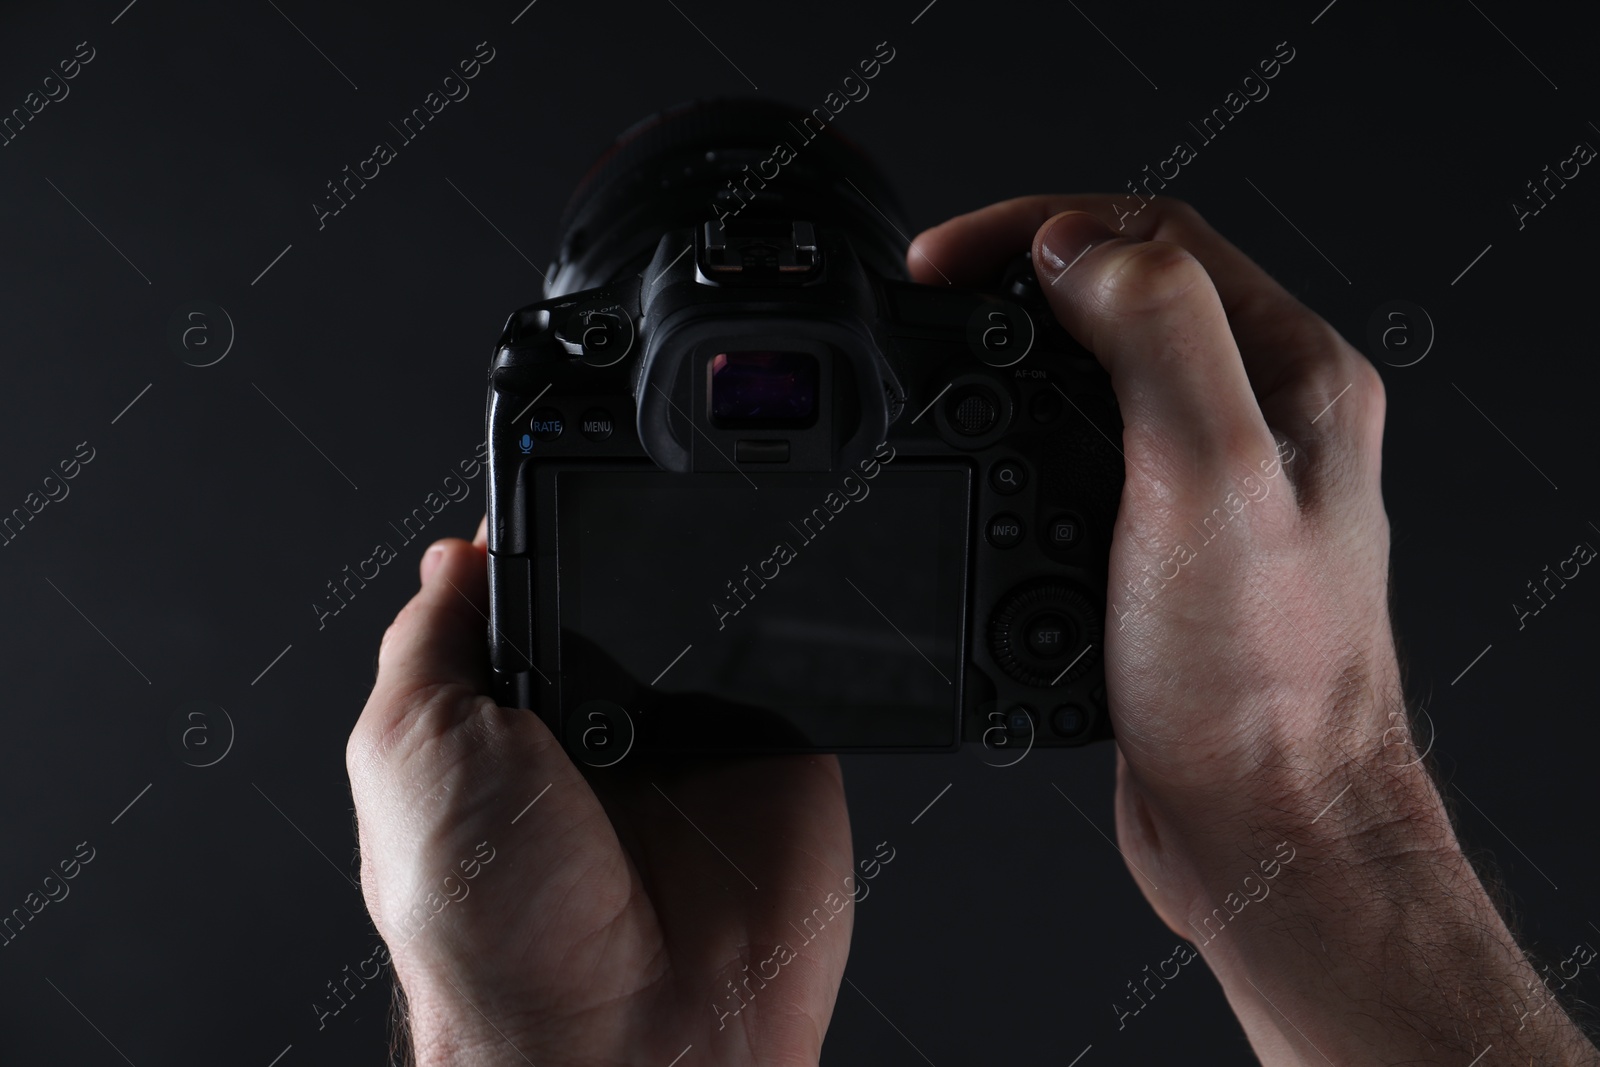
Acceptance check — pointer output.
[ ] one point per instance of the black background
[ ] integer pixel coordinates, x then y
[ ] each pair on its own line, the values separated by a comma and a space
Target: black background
198, 537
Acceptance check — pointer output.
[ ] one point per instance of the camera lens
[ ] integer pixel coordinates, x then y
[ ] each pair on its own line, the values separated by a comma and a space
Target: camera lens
763, 385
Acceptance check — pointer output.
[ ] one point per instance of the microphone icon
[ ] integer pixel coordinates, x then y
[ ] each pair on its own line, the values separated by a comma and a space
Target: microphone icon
526, 443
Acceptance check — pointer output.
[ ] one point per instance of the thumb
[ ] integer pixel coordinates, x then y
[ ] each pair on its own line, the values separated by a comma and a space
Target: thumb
436, 765
429, 705
438, 638
1151, 315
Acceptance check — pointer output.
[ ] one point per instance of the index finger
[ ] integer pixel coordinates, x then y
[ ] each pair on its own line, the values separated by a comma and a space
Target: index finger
1295, 361
1278, 336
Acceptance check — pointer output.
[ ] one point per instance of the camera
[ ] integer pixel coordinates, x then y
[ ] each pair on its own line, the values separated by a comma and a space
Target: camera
752, 490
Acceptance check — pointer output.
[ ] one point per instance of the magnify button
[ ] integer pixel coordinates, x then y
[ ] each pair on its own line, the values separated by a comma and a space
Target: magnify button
1008, 477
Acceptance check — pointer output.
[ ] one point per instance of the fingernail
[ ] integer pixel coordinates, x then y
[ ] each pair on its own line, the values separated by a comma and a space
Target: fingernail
1067, 237
431, 560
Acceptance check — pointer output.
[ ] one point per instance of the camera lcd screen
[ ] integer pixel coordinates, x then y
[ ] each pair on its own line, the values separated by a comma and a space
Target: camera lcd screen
780, 611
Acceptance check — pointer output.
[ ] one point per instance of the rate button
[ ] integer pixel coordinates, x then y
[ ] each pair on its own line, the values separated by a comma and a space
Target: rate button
546, 424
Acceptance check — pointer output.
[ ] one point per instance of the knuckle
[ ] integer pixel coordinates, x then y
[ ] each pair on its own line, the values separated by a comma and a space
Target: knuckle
1149, 277
1368, 391
1324, 365
1241, 444
1178, 216
404, 717
1291, 328
1338, 370
358, 750
1366, 382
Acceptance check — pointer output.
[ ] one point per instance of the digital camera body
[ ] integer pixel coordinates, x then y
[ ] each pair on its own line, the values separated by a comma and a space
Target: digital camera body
752, 491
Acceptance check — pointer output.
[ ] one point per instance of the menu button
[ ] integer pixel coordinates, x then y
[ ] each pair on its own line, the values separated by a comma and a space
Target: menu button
596, 424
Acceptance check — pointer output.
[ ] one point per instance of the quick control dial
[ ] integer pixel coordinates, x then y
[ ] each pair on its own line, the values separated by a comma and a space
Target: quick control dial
1046, 634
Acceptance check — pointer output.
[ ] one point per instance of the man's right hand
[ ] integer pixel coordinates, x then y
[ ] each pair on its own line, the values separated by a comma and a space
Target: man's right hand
1254, 684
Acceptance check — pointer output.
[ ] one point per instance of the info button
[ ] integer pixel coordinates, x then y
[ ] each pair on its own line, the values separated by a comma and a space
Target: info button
1005, 531
596, 424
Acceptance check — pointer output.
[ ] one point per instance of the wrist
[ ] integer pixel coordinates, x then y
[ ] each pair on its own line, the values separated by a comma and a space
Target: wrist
1376, 940
446, 1030
1356, 806
1328, 893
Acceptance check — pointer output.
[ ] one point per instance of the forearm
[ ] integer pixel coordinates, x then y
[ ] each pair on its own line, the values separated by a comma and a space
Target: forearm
1379, 943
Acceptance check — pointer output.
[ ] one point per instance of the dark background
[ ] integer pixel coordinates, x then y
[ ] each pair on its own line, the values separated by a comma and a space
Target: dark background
190, 549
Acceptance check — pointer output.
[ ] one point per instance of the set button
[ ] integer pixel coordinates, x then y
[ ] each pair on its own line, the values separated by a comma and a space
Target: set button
1048, 635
